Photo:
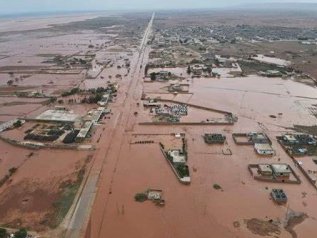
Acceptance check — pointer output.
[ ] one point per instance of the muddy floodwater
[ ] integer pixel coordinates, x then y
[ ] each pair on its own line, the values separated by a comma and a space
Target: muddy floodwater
87, 188
198, 209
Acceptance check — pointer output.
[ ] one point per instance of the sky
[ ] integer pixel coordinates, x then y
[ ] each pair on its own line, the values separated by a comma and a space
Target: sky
25, 6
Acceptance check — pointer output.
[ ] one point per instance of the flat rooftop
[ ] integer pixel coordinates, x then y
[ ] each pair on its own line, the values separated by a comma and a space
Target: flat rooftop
266, 147
84, 131
265, 168
281, 168
58, 116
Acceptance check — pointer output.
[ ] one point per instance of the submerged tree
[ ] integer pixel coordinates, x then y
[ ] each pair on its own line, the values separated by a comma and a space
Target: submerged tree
153, 76
22, 233
188, 70
3, 233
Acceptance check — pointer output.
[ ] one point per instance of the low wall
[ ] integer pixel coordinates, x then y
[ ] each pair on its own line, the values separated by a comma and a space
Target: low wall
274, 180
236, 135
169, 162
195, 106
299, 166
44, 146
17, 143
185, 123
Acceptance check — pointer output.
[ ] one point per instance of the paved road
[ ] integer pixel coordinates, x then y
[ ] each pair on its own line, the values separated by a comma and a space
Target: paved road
78, 217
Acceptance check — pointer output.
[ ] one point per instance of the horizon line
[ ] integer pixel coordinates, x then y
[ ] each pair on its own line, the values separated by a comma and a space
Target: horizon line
232, 7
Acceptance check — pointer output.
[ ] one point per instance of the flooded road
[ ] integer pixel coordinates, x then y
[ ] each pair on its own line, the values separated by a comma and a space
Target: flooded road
106, 159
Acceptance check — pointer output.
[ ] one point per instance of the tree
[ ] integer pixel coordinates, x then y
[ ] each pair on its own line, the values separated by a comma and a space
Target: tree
17, 124
3, 233
52, 100
22, 233
10, 82
209, 70
188, 70
153, 76
12, 170
146, 69
140, 197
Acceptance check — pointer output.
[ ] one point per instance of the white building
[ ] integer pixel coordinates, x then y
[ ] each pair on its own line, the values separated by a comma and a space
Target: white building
177, 156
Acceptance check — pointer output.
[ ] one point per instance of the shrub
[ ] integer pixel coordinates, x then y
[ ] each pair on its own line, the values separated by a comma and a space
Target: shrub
10, 82
12, 170
71, 92
182, 170
18, 123
52, 99
217, 186
153, 76
140, 197
3, 233
188, 70
22, 233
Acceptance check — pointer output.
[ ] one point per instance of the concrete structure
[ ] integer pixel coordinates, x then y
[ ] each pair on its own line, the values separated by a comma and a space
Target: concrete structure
214, 138
185, 180
279, 196
264, 149
281, 170
84, 131
177, 156
156, 196
151, 103
95, 114
265, 170
57, 115
197, 69
175, 88
163, 75
290, 138
259, 138
261, 142
271, 73
104, 100
162, 111
251, 138
276, 173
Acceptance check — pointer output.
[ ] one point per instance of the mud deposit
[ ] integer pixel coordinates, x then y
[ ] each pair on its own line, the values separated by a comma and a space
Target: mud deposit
262, 228
293, 219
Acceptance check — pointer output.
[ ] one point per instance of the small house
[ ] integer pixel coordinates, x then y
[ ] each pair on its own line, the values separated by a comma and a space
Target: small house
259, 138
264, 149
177, 156
214, 138
281, 170
279, 196
265, 170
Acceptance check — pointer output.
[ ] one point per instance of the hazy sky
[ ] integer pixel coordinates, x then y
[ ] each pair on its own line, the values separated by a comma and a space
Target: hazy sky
17, 6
